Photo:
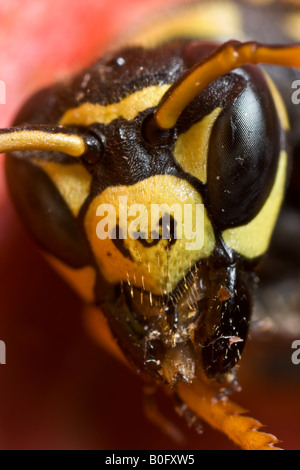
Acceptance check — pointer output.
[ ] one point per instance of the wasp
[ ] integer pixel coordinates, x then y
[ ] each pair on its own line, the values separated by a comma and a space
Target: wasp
174, 117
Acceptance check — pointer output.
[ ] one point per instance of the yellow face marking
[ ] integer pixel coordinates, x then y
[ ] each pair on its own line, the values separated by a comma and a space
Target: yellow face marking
157, 267
252, 240
206, 20
191, 149
291, 26
128, 108
72, 180
82, 280
279, 103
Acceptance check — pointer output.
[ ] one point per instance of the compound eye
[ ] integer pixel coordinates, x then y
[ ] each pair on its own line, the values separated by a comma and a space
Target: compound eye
243, 155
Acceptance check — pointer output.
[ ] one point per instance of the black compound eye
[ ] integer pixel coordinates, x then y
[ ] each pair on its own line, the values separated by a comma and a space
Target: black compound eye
45, 212
243, 155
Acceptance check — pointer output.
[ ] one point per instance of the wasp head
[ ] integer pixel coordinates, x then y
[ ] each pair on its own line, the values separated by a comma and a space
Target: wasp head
156, 184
